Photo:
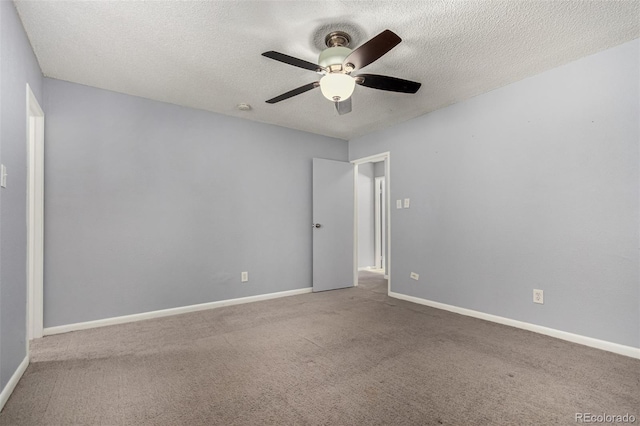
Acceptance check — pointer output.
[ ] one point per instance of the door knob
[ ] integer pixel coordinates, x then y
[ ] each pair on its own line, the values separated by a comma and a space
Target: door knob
316, 225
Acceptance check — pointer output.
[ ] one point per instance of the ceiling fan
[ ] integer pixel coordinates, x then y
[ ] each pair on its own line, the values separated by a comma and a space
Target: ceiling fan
337, 62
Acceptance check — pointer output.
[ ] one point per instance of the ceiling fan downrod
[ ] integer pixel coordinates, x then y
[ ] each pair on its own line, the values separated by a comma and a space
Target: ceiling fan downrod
337, 39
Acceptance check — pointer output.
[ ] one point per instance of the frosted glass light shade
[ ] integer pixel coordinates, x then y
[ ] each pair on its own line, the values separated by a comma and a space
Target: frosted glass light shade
337, 86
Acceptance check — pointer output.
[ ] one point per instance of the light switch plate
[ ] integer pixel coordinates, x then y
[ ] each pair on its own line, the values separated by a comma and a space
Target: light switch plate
407, 202
398, 204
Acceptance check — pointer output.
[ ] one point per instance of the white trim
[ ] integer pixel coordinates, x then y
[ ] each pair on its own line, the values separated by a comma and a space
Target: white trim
35, 216
387, 200
377, 220
380, 218
372, 158
355, 225
13, 381
366, 268
172, 311
563, 335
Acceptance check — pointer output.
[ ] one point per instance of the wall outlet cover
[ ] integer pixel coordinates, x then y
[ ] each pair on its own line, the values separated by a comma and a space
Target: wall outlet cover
414, 276
407, 203
244, 277
538, 296
398, 204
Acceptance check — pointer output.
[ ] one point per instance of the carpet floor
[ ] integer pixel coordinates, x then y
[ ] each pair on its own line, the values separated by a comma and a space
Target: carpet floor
343, 357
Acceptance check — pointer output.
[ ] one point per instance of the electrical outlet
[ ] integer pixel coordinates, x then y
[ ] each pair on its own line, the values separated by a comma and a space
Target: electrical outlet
3, 176
407, 202
398, 204
538, 296
414, 276
244, 277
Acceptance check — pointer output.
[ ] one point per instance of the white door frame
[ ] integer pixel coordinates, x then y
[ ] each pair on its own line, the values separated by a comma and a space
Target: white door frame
35, 217
379, 217
386, 157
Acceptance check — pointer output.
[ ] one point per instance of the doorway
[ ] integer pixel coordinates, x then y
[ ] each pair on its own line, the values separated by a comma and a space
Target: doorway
35, 217
372, 223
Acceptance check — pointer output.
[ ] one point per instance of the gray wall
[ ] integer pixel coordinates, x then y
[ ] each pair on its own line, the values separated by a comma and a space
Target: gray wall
152, 206
18, 67
378, 169
534, 185
366, 222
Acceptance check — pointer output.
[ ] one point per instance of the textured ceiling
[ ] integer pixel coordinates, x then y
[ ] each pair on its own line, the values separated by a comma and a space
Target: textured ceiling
207, 54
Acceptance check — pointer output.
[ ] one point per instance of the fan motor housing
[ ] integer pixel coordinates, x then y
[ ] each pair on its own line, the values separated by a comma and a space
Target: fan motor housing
333, 56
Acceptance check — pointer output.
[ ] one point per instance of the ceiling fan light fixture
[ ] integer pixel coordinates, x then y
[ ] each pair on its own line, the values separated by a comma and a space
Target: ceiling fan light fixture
337, 87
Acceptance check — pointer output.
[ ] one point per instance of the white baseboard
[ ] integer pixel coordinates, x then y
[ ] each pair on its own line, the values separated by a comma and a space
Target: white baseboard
13, 381
168, 312
575, 338
365, 268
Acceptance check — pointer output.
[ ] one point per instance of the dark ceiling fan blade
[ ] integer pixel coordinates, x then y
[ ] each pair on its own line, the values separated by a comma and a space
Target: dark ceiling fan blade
294, 92
344, 107
292, 61
384, 82
373, 49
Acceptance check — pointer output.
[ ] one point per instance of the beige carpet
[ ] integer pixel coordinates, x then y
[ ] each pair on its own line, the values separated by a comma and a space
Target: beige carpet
345, 357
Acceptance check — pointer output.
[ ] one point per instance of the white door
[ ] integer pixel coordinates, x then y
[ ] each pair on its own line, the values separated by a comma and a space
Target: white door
333, 224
